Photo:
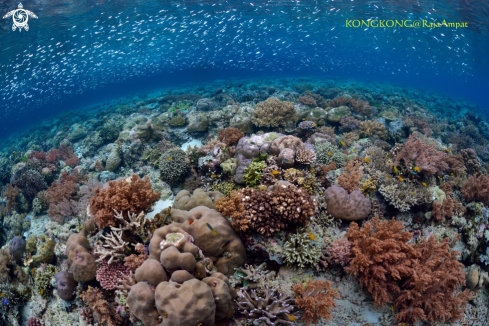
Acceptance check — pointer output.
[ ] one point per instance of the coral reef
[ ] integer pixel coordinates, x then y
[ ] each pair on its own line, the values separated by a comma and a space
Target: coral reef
273, 113
349, 207
317, 299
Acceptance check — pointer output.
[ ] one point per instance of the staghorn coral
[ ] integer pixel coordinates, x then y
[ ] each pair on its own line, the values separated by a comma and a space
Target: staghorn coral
268, 306
230, 135
316, 298
114, 248
431, 292
299, 249
305, 156
373, 129
273, 113
476, 188
130, 195
351, 175
381, 257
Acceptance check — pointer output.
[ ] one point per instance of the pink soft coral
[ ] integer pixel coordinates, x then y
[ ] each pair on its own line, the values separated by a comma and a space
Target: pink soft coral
416, 153
339, 252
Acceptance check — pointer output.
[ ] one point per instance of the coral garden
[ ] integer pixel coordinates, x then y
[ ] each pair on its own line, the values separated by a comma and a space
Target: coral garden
279, 202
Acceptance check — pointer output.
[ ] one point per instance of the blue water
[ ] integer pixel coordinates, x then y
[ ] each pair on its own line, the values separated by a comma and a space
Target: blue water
79, 54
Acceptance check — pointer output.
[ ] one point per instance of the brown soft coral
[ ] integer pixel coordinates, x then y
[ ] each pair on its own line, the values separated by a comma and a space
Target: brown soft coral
317, 299
351, 175
105, 313
354, 104
448, 207
431, 292
381, 257
59, 195
130, 195
476, 188
230, 135
273, 113
373, 128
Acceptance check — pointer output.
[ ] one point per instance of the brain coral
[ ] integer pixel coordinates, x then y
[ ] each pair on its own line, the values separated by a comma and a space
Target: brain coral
352, 207
173, 166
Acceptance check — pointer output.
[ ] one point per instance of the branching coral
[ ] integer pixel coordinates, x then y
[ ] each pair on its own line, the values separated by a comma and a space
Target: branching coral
268, 306
305, 156
131, 195
351, 175
431, 292
381, 257
114, 248
327, 153
101, 307
301, 250
404, 194
273, 113
317, 299
373, 129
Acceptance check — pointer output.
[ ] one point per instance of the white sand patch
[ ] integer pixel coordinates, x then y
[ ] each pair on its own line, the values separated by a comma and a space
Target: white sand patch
159, 206
193, 142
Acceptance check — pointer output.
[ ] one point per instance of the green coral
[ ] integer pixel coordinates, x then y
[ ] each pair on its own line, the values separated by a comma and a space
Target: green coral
272, 136
327, 153
253, 173
229, 166
42, 284
173, 166
338, 113
41, 249
225, 188
177, 121
301, 250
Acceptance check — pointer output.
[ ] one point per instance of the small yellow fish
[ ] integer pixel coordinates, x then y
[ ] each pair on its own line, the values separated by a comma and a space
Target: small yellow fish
275, 172
165, 314
396, 170
416, 169
354, 150
342, 143
383, 147
210, 228
412, 193
170, 159
303, 119
439, 177
292, 318
400, 179
367, 160
447, 150
42, 291
392, 308
314, 125
311, 236
214, 176
2, 294
329, 153
424, 184
451, 174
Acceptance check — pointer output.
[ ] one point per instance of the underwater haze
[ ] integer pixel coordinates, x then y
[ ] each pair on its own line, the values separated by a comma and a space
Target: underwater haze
83, 52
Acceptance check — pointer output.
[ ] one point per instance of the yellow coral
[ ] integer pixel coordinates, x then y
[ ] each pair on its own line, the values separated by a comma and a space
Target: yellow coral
367, 186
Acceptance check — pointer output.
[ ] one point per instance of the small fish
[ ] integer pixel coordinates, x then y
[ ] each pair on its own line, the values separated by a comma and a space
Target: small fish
396, 170
33, 271
439, 177
400, 179
329, 153
367, 160
275, 172
392, 308
342, 143
292, 318
311, 236
8, 214
210, 228
354, 150
190, 222
170, 159
28, 218
416, 169
447, 150
5, 302
383, 147
165, 314
2, 294
415, 173
224, 245
303, 119
424, 184
384, 178
314, 125
42, 291
431, 152
451, 174
214, 176
252, 143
